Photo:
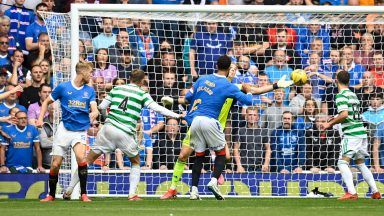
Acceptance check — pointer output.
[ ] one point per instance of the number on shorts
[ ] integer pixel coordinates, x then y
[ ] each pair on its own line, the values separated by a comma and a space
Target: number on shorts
123, 104
356, 112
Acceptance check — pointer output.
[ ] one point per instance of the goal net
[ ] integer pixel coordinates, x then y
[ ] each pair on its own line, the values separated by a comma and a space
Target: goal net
275, 145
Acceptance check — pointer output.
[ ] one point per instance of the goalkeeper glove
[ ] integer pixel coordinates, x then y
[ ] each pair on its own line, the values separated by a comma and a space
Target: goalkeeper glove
282, 83
167, 101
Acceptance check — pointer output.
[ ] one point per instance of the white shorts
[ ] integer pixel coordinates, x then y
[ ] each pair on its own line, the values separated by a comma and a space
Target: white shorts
64, 139
206, 132
354, 148
110, 138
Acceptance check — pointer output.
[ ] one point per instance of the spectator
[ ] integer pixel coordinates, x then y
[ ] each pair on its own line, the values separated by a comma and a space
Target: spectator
293, 59
34, 109
116, 50
50, 5
305, 93
168, 147
378, 68
103, 67
316, 46
332, 64
10, 102
348, 64
47, 71
318, 77
43, 52
166, 63
308, 35
253, 39
46, 135
106, 38
5, 24
265, 100
252, 151
378, 33
20, 18
322, 147
307, 120
288, 146
374, 115
279, 67
128, 65
167, 87
17, 73
206, 47
271, 117
144, 42
22, 139
33, 31
378, 149
366, 90
3, 79
246, 73
291, 34
30, 94
341, 36
119, 81
4, 56
364, 56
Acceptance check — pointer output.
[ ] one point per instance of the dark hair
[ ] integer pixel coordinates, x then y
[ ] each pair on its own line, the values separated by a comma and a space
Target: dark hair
376, 95
44, 85
343, 77
21, 111
114, 81
17, 50
43, 34
137, 76
224, 62
41, 5
97, 53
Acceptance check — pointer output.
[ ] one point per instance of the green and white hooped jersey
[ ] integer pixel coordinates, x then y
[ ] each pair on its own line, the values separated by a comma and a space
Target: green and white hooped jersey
126, 104
352, 126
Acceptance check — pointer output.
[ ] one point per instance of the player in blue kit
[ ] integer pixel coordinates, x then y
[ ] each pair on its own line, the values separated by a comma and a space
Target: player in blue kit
76, 99
209, 94
21, 139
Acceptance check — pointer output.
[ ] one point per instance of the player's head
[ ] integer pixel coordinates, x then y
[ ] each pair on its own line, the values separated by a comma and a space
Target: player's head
22, 119
84, 69
137, 77
287, 119
223, 64
343, 77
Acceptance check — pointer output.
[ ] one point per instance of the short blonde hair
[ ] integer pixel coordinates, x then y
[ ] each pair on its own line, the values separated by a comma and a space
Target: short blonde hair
82, 66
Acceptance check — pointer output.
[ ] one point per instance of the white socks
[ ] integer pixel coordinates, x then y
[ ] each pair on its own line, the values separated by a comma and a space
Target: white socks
74, 180
347, 175
368, 177
134, 178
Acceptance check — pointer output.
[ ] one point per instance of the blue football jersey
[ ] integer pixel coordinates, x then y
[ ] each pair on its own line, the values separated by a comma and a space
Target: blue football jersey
20, 146
209, 94
4, 111
75, 105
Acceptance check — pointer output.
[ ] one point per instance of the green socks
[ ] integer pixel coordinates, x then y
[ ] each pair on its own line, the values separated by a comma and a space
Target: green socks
178, 170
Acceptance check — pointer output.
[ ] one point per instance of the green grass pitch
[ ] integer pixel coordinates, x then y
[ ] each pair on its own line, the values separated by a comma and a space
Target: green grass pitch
185, 207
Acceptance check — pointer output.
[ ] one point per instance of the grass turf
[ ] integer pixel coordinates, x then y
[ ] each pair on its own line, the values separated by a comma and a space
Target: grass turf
185, 207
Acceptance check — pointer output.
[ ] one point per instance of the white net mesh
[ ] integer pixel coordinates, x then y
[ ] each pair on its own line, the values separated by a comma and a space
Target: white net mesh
264, 47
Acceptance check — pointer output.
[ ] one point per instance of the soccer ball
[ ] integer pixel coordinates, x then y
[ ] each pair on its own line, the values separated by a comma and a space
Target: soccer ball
299, 77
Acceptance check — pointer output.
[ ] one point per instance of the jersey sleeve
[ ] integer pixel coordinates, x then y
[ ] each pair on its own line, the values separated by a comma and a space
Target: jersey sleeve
147, 141
235, 93
341, 103
92, 98
147, 99
57, 92
160, 118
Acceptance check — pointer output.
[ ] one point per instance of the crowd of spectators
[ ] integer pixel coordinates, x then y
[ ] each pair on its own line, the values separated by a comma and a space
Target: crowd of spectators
278, 133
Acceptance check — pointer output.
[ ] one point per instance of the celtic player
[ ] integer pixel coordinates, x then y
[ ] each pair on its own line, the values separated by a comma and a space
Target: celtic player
355, 140
119, 130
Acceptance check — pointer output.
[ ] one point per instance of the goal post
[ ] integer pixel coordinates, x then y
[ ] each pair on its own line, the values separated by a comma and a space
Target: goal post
248, 28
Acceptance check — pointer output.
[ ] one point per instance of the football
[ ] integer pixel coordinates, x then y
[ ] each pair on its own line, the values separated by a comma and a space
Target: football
299, 77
